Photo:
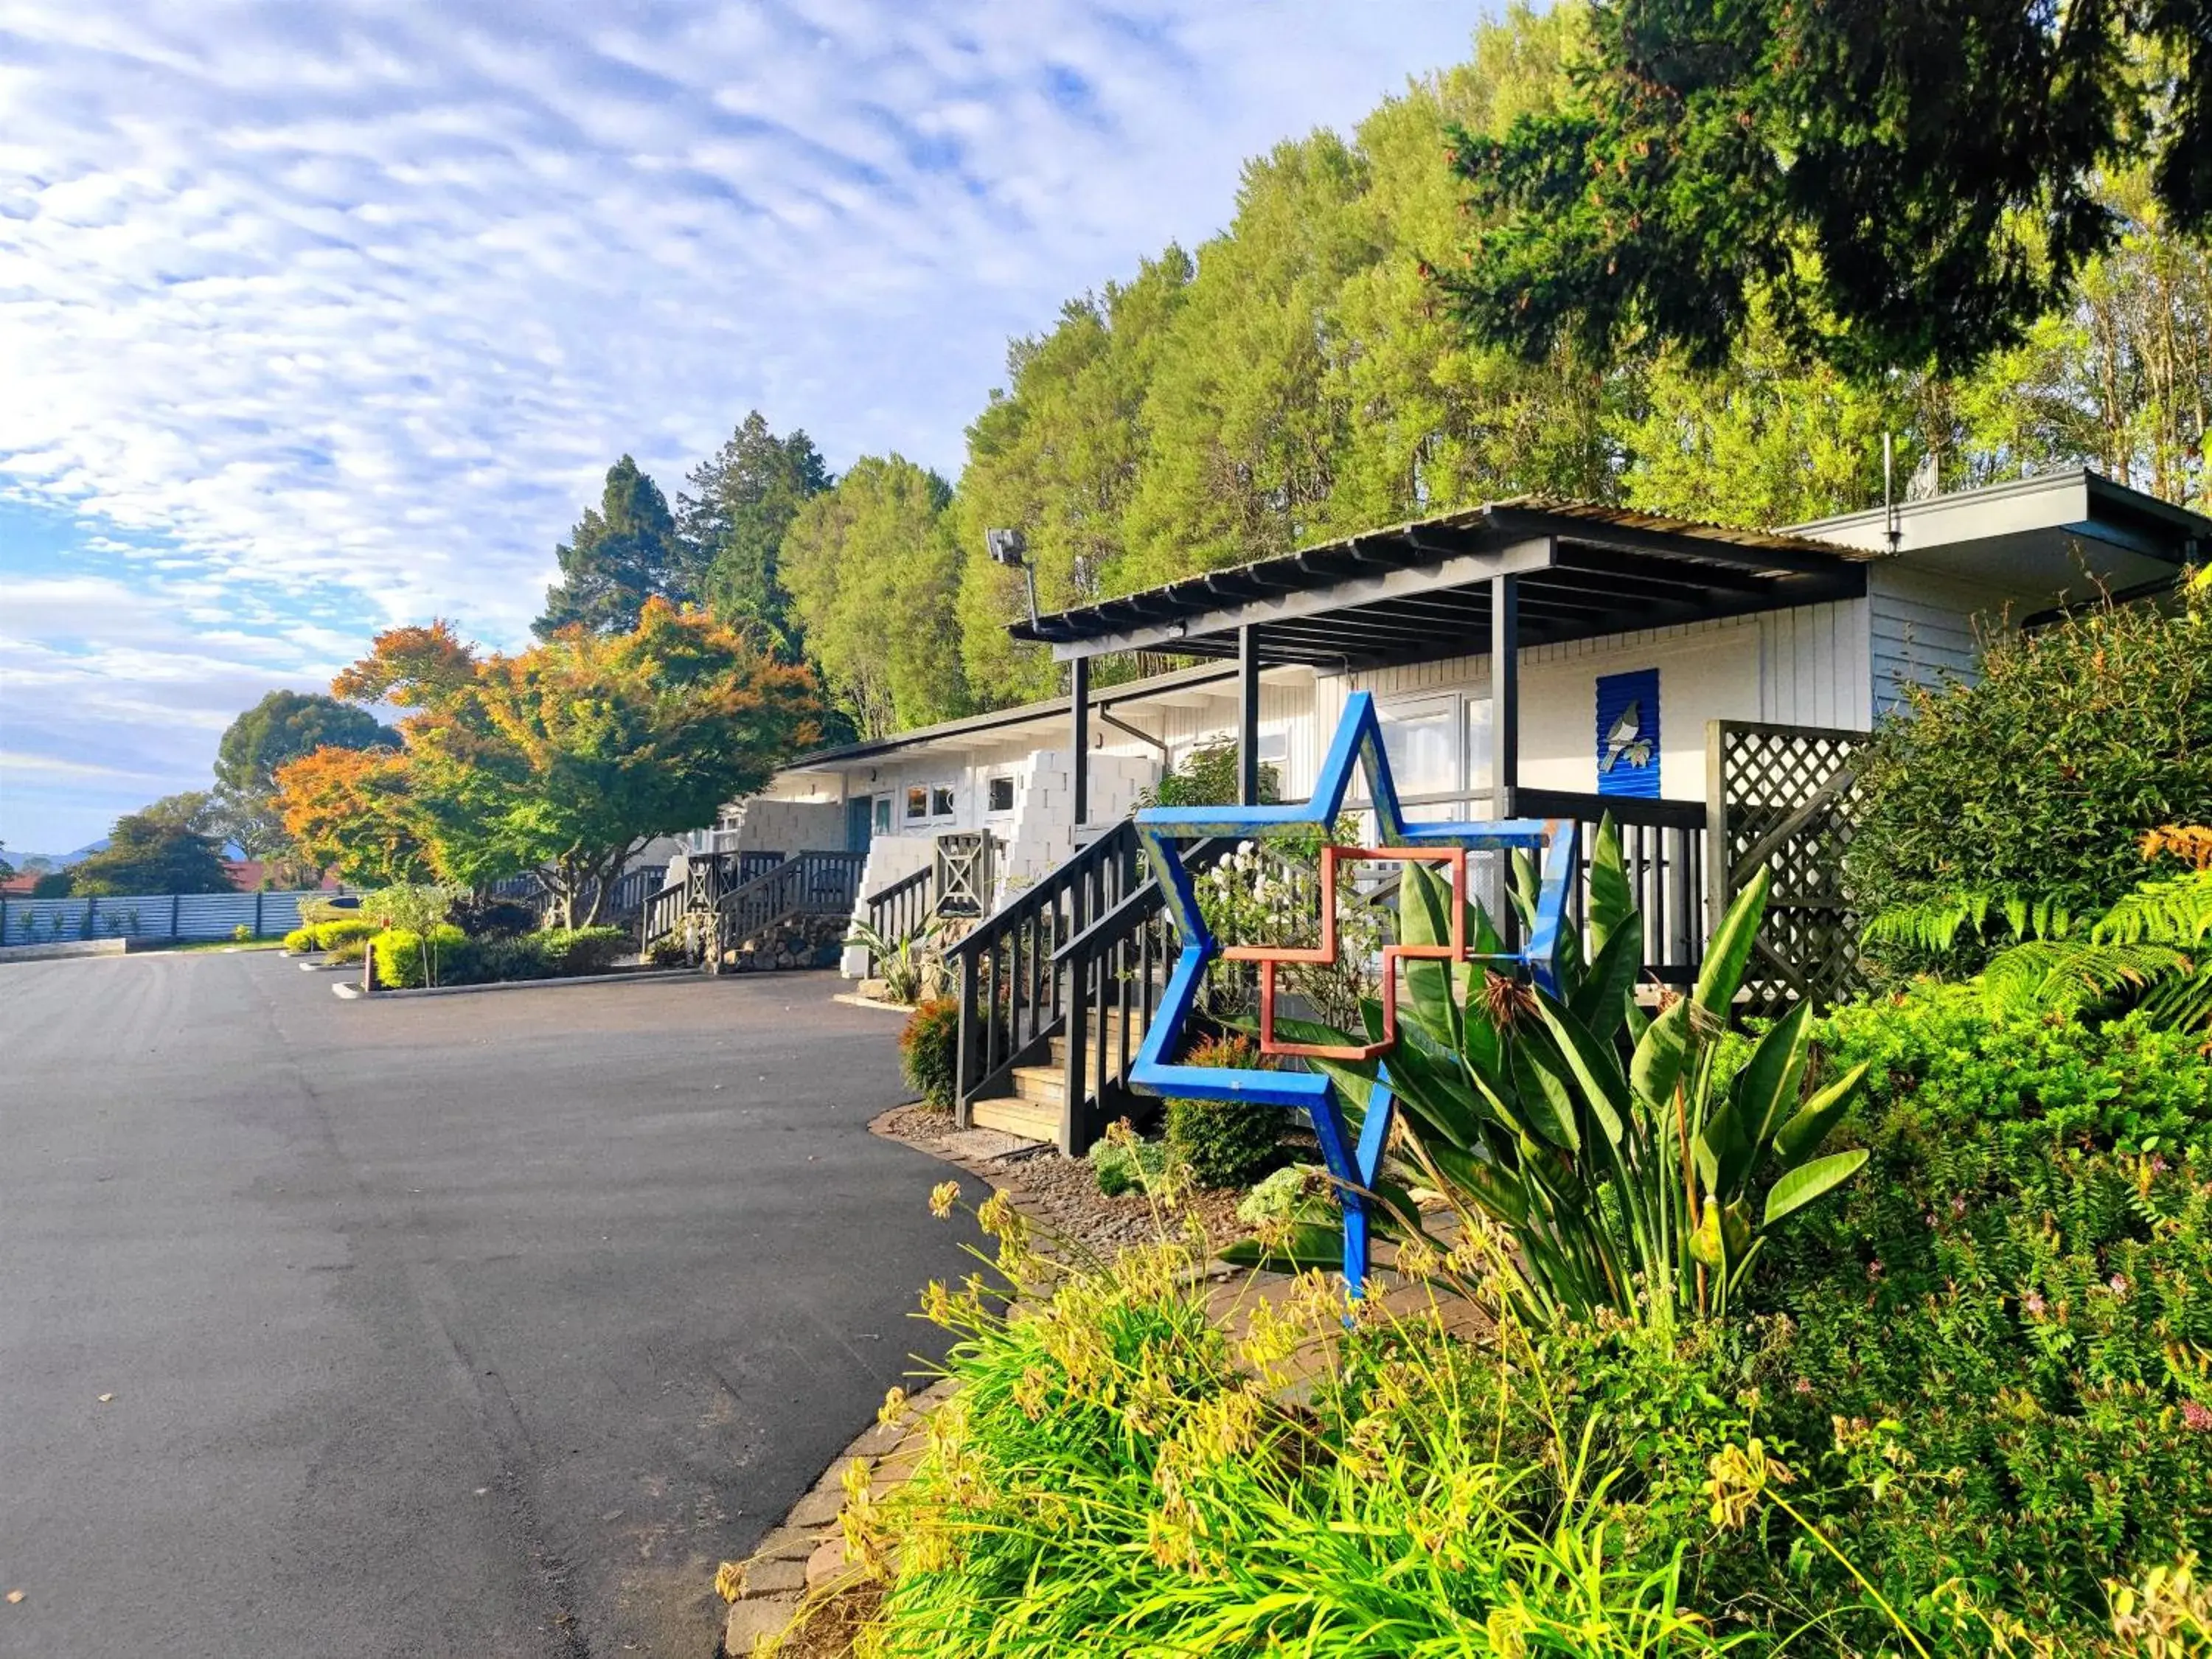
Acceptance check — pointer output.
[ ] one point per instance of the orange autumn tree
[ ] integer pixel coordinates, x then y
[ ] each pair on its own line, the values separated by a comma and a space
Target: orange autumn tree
562, 760
353, 810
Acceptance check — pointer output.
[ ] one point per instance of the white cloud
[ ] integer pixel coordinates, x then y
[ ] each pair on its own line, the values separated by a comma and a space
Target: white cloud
356, 302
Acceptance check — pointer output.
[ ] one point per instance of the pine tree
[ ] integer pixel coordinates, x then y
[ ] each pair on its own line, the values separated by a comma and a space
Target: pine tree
732, 521
620, 553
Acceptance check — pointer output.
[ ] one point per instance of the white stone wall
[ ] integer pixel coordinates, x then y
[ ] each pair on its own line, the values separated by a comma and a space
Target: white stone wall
891, 858
1042, 833
766, 825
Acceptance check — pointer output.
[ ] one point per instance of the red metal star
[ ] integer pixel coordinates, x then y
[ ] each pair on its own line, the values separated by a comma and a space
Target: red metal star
1270, 956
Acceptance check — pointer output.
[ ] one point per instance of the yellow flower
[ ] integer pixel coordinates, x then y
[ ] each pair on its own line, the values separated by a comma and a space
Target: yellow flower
729, 1580
894, 1406
937, 1303
1417, 1260
942, 1197
996, 1214
1740, 1474
1029, 1392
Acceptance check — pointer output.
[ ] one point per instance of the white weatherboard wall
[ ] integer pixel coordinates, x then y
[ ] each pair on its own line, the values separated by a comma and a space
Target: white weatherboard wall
1806, 666
1925, 626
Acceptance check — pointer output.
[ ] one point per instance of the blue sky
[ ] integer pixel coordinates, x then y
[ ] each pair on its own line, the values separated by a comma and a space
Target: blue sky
314, 318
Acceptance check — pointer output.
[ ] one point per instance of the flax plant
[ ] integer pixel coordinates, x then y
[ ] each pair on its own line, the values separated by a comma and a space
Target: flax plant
1625, 1168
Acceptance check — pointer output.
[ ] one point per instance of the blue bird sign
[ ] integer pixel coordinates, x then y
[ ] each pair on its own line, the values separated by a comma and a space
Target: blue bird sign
1628, 734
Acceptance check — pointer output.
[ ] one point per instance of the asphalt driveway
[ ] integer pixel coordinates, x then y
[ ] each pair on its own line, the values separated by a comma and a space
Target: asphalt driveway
473, 1326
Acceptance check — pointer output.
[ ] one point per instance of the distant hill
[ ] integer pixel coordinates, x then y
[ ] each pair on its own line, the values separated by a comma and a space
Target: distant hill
54, 860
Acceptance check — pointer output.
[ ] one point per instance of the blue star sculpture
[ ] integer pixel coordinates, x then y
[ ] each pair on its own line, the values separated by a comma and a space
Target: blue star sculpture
1358, 741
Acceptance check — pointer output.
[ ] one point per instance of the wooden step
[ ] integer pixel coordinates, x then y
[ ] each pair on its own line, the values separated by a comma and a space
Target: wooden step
1091, 1043
1090, 1050
1042, 1085
1014, 1117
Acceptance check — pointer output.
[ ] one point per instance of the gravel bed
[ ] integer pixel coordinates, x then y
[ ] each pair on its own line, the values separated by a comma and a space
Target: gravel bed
1061, 1193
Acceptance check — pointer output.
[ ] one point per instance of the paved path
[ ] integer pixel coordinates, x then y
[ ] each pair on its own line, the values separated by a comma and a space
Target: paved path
473, 1326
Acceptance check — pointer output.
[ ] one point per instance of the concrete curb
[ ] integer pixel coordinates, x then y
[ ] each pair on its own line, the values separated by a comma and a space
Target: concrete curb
854, 999
54, 950
351, 990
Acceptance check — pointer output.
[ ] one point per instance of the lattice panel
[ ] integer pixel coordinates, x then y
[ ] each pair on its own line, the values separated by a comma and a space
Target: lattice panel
1789, 803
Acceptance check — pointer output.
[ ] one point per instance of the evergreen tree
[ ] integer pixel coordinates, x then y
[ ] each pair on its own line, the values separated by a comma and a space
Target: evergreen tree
1904, 182
733, 519
167, 848
622, 553
874, 573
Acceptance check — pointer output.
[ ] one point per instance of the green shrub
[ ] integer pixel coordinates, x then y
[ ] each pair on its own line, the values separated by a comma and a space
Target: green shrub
243, 933
1224, 1143
1126, 1164
2038, 779
929, 1057
400, 963
1295, 1193
573, 950
488, 961
328, 934
2007, 1321
349, 952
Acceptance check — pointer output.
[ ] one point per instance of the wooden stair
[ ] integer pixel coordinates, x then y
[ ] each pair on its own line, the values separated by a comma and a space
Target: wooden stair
1039, 1101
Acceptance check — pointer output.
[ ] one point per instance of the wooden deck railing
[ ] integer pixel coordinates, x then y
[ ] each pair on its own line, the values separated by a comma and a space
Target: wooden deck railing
901, 910
1009, 989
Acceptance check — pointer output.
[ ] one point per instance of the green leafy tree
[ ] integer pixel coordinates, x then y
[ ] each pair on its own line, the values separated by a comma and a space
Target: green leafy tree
1439, 422
622, 553
2119, 375
733, 520
874, 576
1058, 454
280, 727
1905, 181
167, 848
1242, 429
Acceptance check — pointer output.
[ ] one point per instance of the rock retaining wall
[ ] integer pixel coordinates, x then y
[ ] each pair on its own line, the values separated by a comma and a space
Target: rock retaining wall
802, 942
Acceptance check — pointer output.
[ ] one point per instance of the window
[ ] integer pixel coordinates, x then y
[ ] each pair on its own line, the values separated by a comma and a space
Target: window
917, 803
1001, 794
883, 815
1439, 745
940, 801
1422, 739
1478, 750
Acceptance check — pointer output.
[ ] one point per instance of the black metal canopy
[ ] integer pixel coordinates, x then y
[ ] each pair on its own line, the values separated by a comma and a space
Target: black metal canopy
1424, 590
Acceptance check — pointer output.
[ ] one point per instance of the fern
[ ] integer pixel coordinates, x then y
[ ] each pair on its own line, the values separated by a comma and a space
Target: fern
1932, 924
2141, 945
2172, 910
2062, 976
2184, 1002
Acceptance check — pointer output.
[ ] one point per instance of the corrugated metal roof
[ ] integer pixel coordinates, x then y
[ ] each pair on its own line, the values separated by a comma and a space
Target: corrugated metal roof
1668, 553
